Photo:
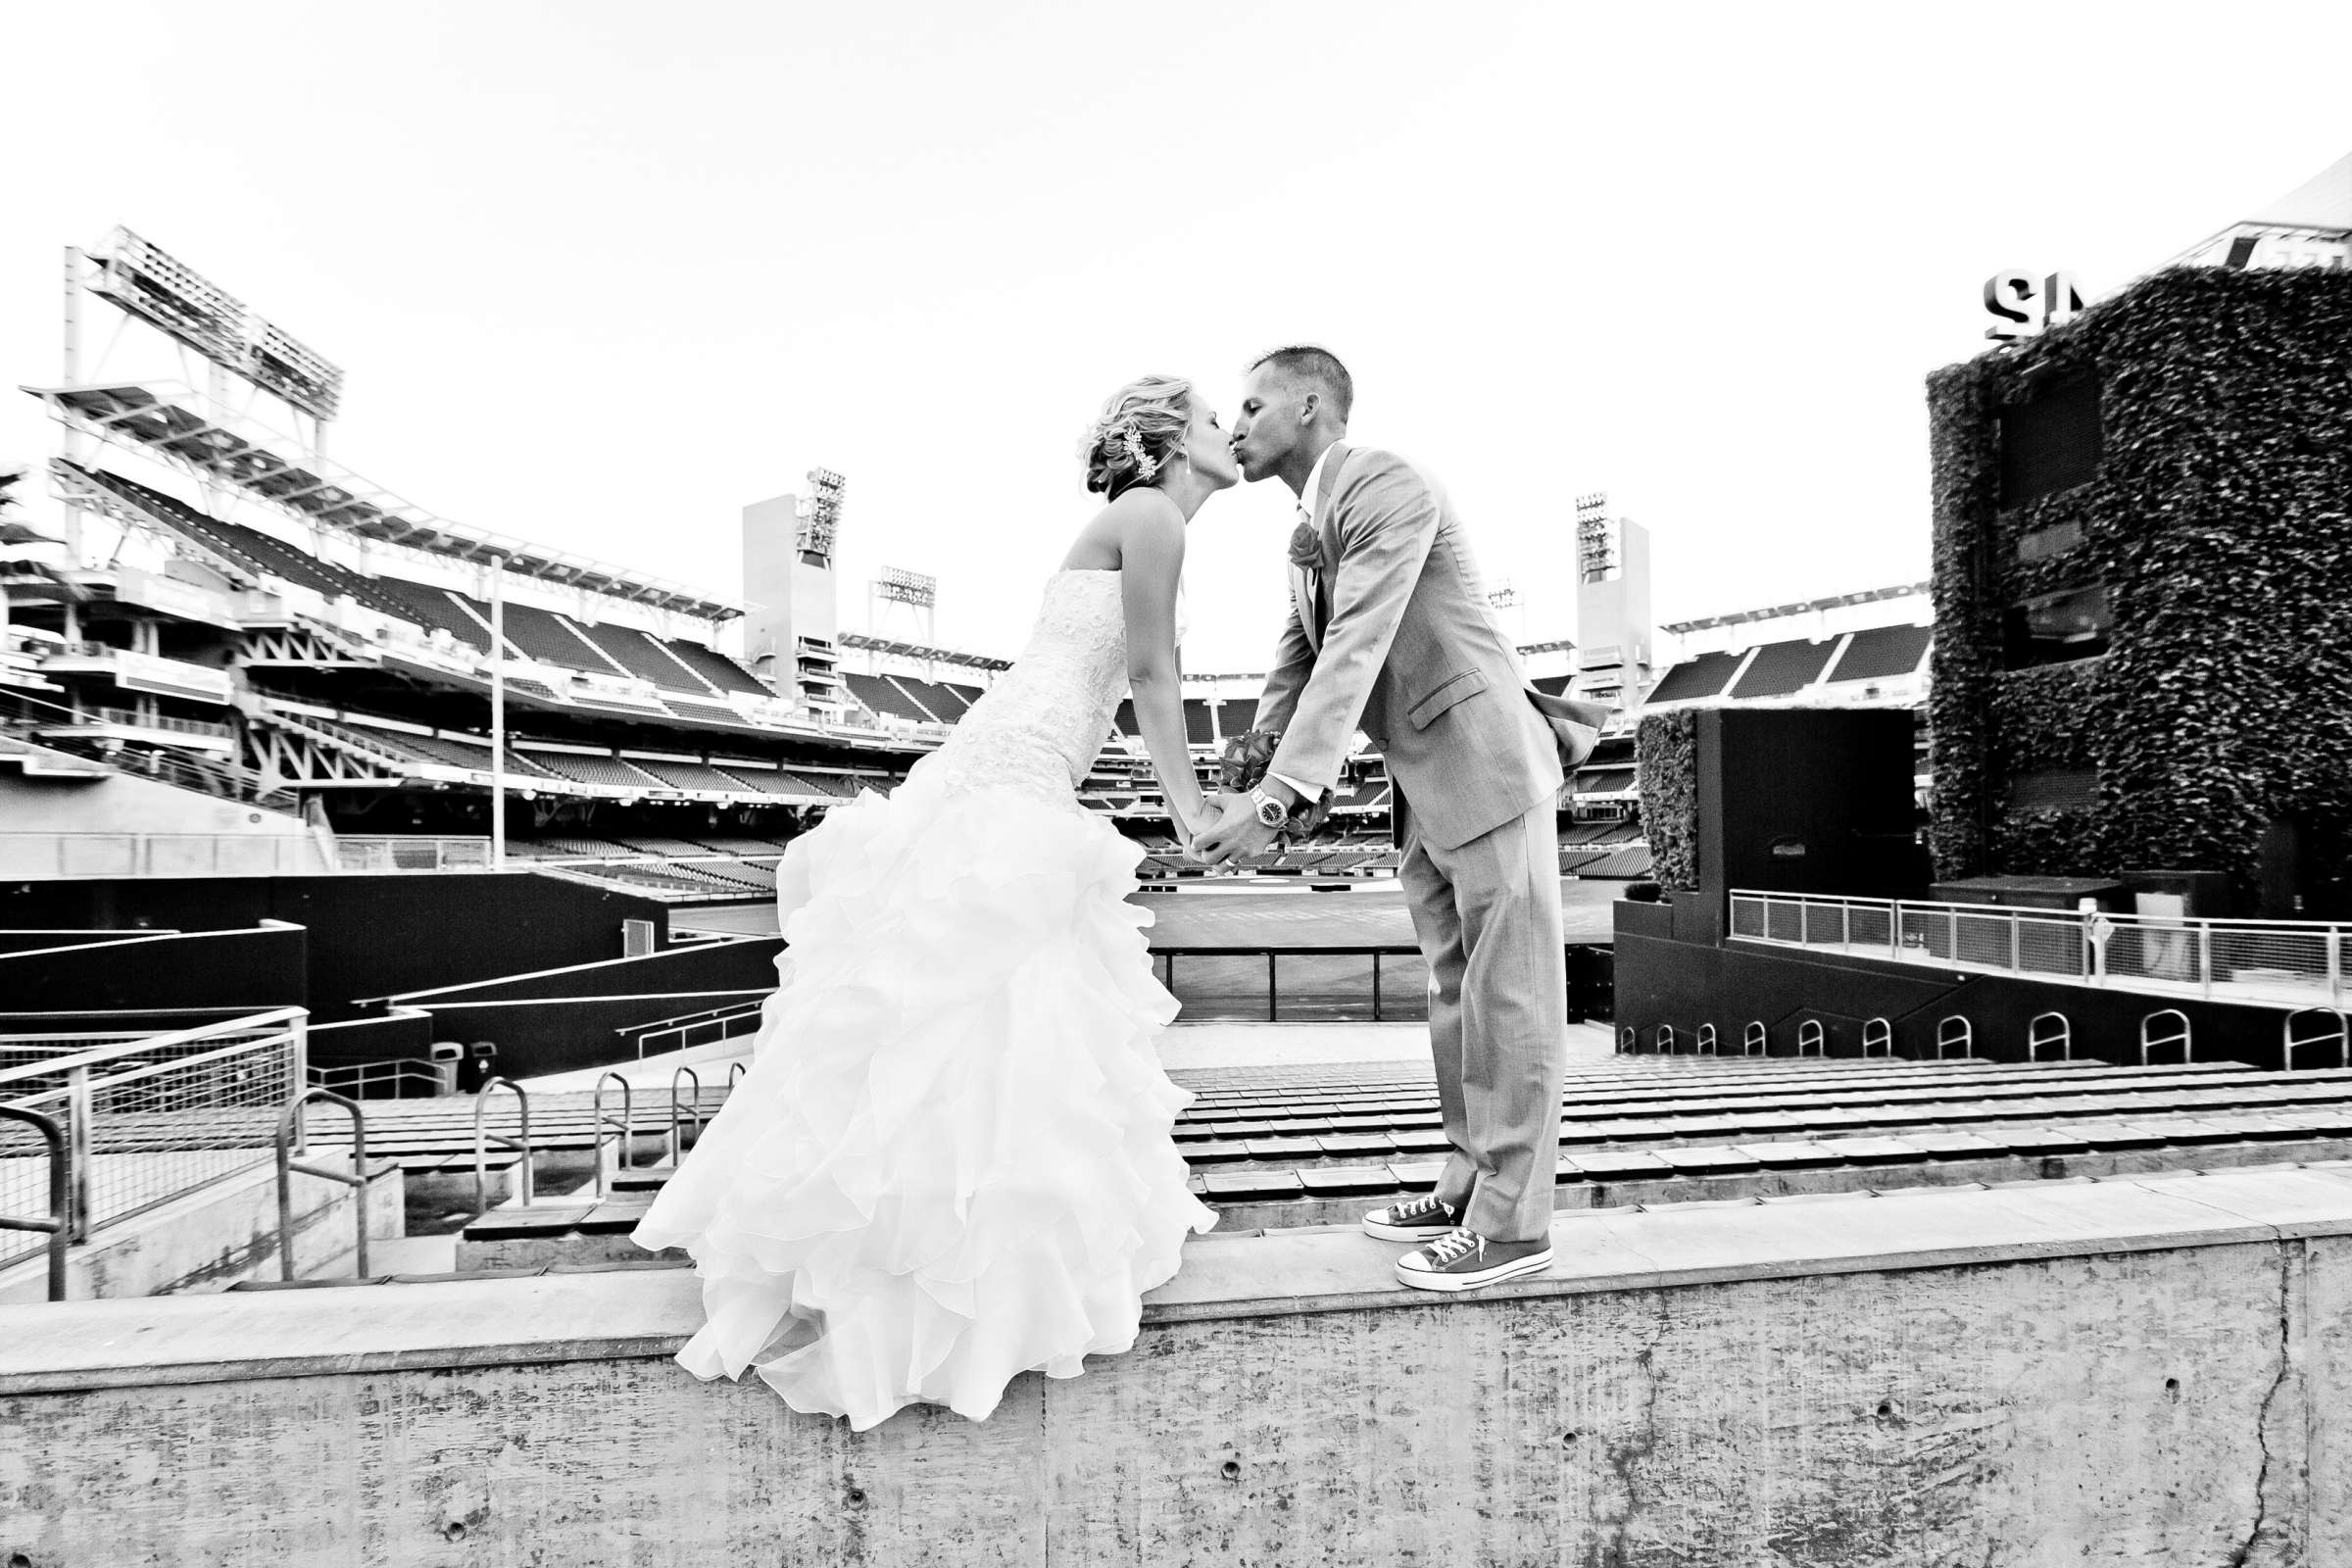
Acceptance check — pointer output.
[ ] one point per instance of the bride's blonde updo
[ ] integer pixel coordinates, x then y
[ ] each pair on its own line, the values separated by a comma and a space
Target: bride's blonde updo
1138, 433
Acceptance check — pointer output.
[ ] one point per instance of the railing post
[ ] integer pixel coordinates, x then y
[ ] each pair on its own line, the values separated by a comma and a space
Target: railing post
2205, 955
1895, 929
1376, 987
79, 1109
1273, 995
2335, 966
2016, 964
1845, 924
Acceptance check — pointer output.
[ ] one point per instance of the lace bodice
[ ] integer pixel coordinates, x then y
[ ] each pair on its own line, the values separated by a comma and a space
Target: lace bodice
1040, 727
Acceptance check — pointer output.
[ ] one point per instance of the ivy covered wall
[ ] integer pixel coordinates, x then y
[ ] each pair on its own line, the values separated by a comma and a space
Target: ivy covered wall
2218, 519
1666, 762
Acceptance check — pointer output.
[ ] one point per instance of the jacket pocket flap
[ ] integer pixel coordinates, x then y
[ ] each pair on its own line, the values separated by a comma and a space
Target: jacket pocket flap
1447, 693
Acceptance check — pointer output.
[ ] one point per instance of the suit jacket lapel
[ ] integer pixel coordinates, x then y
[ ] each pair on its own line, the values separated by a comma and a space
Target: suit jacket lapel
1318, 582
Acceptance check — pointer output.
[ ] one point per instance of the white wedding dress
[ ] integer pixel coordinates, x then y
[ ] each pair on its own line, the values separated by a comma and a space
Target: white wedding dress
950, 1162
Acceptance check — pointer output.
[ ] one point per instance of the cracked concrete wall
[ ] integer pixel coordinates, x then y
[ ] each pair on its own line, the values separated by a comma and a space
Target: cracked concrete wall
2173, 1409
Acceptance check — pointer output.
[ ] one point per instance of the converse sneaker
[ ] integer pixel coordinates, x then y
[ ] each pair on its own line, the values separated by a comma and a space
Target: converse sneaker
1463, 1260
1415, 1219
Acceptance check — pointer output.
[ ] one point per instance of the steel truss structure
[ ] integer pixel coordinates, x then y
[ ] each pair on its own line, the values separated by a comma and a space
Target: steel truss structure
173, 421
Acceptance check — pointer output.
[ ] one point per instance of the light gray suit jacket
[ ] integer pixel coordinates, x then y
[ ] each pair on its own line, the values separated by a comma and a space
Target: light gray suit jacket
1390, 632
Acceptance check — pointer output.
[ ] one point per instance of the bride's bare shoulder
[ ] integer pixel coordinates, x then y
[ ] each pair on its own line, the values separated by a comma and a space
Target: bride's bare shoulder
1138, 517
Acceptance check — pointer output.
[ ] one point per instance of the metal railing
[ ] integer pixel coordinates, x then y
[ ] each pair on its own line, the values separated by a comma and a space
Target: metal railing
57, 1222
402, 852
164, 723
520, 1142
690, 1029
687, 1110
624, 1132
291, 1139
150, 1119
382, 1080
64, 855
2296, 1034
2291, 962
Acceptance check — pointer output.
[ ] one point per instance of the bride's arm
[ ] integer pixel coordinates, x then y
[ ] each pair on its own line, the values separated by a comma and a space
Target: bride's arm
1150, 563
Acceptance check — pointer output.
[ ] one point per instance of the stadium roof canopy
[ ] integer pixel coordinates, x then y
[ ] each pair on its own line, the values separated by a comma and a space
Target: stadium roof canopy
171, 421
941, 656
1806, 606
2324, 200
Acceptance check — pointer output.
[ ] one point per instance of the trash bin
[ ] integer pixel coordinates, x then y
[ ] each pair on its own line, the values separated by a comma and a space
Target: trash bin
447, 1056
481, 1064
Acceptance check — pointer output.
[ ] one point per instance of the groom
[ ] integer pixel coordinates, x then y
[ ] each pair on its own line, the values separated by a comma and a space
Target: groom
1390, 632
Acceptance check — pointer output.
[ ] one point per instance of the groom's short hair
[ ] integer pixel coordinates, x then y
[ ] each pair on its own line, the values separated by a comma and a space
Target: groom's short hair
1303, 364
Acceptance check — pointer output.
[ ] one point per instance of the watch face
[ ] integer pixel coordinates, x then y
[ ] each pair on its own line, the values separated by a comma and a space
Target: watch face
1270, 812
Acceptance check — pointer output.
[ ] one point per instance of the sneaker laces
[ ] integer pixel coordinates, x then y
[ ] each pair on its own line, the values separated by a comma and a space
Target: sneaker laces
1455, 1246
1406, 1214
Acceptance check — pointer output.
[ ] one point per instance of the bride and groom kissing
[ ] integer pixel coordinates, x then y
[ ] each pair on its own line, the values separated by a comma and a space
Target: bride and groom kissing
952, 1161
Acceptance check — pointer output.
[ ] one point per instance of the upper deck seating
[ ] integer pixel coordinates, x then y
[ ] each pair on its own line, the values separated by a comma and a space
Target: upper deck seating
1881, 652
716, 668
643, 657
608, 770
878, 694
435, 609
1703, 676
1780, 668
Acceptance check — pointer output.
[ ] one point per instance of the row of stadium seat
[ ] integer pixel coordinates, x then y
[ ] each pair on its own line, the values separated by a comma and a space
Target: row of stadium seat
919, 701
547, 636
1778, 670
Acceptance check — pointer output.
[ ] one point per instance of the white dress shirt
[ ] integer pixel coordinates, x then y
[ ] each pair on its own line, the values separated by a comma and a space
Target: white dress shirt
1307, 515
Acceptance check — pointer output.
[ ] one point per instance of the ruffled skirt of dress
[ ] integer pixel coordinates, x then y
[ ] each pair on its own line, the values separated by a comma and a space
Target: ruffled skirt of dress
950, 1161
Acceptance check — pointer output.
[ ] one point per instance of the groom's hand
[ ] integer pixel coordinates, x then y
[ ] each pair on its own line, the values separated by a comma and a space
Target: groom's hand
1236, 831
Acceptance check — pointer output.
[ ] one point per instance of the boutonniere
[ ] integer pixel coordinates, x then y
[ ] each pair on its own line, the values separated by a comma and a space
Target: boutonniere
1307, 549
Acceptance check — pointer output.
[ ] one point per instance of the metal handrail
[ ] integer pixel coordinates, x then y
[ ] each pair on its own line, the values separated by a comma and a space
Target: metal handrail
1661, 1040
256, 1024
694, 1110
520, 1144
357, 1177
1880, 1033
736, 1072
1626, 1041
2036, 1037
625, 1130
2340, 1036
1755, 1039
2149, 1039
58, 1222
2195, 943
1964, 1037
1810, 1033
1706, 1041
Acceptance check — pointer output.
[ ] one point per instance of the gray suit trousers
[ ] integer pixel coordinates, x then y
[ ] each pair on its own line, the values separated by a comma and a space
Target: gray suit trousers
1488, 917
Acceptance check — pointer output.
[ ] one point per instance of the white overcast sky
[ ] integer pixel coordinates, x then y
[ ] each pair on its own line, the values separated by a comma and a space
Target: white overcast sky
599, 273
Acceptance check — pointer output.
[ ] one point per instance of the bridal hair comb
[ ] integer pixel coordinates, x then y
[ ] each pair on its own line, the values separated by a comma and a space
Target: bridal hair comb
1103, 433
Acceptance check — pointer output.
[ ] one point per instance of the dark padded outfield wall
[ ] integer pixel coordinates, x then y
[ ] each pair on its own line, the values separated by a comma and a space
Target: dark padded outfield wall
370, 935
569, 1019
259, 967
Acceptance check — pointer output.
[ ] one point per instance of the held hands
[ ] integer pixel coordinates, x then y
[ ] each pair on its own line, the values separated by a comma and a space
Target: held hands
1236, 831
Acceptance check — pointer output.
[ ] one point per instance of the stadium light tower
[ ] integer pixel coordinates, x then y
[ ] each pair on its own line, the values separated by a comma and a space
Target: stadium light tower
917, 592
821, 516
1503, 599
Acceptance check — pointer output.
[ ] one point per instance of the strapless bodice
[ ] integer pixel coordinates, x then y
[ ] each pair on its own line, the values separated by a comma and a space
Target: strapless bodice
1042, 724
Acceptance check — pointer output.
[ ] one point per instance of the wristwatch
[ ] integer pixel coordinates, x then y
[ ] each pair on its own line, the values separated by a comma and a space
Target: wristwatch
1271, 812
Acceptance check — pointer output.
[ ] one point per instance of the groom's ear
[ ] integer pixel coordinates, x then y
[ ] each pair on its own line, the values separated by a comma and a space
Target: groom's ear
1307, 406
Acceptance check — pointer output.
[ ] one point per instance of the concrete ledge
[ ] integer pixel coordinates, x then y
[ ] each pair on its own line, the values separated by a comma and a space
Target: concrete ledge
2147, 1370
619, 1315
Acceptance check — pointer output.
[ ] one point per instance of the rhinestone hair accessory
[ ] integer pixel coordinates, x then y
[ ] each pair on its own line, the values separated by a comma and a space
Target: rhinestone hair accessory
1125, 433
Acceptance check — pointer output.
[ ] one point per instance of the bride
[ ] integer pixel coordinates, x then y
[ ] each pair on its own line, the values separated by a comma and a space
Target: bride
951, 1163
